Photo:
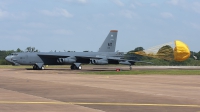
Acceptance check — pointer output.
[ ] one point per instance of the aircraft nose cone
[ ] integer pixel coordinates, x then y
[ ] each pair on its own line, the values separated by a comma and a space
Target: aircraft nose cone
7, 58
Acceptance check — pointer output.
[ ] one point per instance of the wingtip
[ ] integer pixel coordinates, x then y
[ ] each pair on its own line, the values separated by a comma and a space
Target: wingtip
113, 30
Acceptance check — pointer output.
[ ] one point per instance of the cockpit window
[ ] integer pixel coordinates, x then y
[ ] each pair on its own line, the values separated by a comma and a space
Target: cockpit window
13, 54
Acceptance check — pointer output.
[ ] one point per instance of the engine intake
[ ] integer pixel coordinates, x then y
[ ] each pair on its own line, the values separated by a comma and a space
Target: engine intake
66, 60
98, 62
125, 63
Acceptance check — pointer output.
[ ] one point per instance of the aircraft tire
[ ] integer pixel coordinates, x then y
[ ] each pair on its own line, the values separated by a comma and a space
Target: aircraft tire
42, 68
72, 67
80, 67
34, 67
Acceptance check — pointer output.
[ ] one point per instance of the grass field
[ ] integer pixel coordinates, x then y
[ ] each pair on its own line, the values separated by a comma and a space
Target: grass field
10, 66
147, 72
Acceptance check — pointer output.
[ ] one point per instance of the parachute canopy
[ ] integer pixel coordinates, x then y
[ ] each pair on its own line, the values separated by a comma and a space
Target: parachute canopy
180, 52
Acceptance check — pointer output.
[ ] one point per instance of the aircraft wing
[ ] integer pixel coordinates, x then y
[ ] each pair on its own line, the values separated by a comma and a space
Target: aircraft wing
122, 59
88, 57
136, 61
65, 56
127, 62
52, 56
116, 58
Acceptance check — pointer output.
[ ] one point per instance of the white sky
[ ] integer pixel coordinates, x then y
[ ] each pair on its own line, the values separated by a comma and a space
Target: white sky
79, 25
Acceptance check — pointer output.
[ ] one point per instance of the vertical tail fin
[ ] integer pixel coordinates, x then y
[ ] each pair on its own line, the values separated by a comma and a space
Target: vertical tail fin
109, 43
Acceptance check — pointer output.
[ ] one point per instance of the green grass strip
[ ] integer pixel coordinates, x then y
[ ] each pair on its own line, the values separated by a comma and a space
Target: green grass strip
146, 72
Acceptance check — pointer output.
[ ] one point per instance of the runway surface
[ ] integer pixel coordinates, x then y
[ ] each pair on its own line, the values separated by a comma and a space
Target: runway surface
63, 90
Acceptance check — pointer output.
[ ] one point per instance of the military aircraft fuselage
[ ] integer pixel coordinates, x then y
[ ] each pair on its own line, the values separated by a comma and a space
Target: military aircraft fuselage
105, 55
60, 58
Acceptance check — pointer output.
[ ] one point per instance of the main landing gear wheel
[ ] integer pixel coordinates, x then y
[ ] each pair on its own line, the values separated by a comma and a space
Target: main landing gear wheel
35, 67
74, 67
80, 67
42, 68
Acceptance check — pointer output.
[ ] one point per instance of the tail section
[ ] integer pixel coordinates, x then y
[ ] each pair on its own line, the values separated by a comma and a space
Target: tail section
109, 43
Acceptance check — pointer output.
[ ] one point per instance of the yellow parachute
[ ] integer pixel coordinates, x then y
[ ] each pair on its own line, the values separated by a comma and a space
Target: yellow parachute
180, 52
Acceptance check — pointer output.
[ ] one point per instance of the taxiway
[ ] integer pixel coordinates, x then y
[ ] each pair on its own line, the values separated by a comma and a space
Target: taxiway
63, 90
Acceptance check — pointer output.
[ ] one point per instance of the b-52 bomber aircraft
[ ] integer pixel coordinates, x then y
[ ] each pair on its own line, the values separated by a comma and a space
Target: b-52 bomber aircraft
105, 55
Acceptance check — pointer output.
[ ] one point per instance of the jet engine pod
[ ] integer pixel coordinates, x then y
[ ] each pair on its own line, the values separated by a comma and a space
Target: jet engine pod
68, 60
125, 63
98, 62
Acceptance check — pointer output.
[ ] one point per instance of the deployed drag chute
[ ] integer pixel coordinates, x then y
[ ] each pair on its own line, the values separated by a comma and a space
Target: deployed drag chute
181, 51
168, 51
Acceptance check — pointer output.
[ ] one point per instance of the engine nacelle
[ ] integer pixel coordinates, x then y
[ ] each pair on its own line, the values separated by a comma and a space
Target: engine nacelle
98, 62
125, 63
66, 60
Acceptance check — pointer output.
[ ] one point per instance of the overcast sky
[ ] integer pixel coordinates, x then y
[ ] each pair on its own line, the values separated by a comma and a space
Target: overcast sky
79, 25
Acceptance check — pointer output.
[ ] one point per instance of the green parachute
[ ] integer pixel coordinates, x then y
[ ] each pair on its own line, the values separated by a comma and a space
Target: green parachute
180, 52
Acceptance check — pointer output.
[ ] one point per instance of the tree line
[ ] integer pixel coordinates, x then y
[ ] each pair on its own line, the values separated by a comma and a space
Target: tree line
166, 60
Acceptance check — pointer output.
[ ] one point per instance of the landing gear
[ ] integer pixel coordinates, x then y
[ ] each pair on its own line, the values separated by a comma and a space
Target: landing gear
38, 66
130, 67
80, 67
34, 67
76, 67
42, 68
73, 67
